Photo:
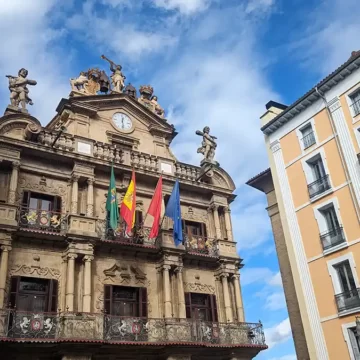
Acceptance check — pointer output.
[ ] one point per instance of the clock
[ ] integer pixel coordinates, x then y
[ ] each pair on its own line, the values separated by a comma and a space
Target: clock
122, 121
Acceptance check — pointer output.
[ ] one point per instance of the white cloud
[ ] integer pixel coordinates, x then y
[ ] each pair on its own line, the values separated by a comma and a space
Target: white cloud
186, 7
275, 301
276, 280
251, 275
285, 357
262, 6
25, 37
278, 333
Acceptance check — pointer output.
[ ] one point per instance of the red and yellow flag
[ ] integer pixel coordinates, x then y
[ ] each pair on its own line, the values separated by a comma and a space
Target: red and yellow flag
128, 205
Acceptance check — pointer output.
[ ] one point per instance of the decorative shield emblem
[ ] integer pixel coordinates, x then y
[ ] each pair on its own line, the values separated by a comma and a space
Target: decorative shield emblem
44, 220
215, 331
136, 328
36, 325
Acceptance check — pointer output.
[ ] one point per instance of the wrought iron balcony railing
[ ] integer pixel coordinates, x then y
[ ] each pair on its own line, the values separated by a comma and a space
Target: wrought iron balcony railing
348, 300
319, 186
101, 327
332, 238
200, 245
356, 107
139, 235
44, 220
308, 140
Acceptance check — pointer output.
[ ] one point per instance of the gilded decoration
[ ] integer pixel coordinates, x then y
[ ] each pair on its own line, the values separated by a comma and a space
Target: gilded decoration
200, 288
121, 274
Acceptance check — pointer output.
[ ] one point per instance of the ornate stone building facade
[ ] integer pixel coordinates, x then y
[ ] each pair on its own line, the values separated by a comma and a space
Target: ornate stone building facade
72, 289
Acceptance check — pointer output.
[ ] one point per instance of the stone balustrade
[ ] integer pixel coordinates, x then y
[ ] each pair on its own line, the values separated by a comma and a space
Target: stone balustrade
108, 152
19, 325
64, 142
144, 161
185, 171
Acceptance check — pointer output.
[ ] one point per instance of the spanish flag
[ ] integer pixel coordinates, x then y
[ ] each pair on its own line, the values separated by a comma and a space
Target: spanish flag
128, 205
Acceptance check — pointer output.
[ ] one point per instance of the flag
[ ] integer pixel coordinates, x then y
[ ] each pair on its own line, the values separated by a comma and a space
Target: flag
155, 209
173, 211
111, 203
128, 205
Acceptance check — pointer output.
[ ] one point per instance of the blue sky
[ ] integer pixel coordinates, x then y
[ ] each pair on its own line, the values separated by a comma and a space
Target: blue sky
211, 62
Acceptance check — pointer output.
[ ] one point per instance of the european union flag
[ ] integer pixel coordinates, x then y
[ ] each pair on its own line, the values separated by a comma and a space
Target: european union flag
173, 211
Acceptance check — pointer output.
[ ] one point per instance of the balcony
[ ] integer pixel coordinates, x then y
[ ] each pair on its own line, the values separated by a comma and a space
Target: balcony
20, 325
200, 245
348, 300
332, 238
139, 236
319, 186
308, 140
43, 220
356, 108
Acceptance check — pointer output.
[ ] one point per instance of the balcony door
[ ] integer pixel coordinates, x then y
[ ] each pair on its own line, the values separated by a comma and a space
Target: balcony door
195, 234
201, 307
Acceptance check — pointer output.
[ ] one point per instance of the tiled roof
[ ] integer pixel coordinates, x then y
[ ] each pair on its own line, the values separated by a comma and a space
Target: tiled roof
257, 176
355, 55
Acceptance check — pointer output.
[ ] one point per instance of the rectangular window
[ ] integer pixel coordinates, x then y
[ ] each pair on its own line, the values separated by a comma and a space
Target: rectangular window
320, 180
125, 301
201, 307
354, 341
355, 103
308, 136
5, 173
195, 235
332, 234
349, 296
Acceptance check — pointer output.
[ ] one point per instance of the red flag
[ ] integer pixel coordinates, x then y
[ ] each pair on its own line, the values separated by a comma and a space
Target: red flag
128, 205
155, 209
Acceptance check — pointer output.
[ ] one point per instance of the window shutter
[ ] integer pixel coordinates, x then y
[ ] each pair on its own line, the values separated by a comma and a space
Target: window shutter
143, 302
188, 305
203, 230
4, 186
57, 204
108, 289
53, 296
214, 313
14, 290
26, 198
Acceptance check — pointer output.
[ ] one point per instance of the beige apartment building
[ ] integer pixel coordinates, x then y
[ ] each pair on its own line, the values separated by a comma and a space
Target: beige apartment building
313, 192
72, 288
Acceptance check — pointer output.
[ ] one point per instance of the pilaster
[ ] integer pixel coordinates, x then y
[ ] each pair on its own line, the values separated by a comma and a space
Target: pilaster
90, 197
13, 181
181, 294
74, 194
86, 306
4, 261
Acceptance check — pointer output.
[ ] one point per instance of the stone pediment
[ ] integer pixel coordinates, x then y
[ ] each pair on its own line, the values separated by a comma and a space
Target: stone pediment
94, 105
18, 125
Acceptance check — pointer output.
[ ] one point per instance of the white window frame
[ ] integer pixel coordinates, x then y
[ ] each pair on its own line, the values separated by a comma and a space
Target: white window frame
357, 134
299, 134
352, 92
309, 176
345, 328
322, 225
333, 273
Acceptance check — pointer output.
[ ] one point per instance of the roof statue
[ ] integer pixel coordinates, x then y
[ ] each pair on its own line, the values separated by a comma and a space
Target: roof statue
208, 145
148, 100
117, 77
131, 91
90, 82
19, 93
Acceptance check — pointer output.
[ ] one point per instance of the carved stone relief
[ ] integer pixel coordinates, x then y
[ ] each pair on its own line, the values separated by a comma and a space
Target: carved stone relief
197, 287
121, 274
43, 185
195, 215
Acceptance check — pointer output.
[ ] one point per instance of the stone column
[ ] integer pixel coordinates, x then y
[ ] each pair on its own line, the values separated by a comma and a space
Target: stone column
86, 305
166, 290
13, 182
228, 223
215, 209
238, 298
227, 304
211, 223
70, 282
74, 194
90, 197
181, 294
4, 260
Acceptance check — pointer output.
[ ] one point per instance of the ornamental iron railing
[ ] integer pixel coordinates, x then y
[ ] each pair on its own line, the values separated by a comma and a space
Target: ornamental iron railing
319, 186
138, 235
308, 140
102, 327
356, 107
348, 300
43, 220
200, 245
332, 238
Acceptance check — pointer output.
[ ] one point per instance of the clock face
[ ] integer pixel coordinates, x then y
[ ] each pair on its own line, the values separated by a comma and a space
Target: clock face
122, 121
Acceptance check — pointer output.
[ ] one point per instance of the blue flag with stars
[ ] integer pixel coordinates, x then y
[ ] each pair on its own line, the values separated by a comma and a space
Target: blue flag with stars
173, 211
